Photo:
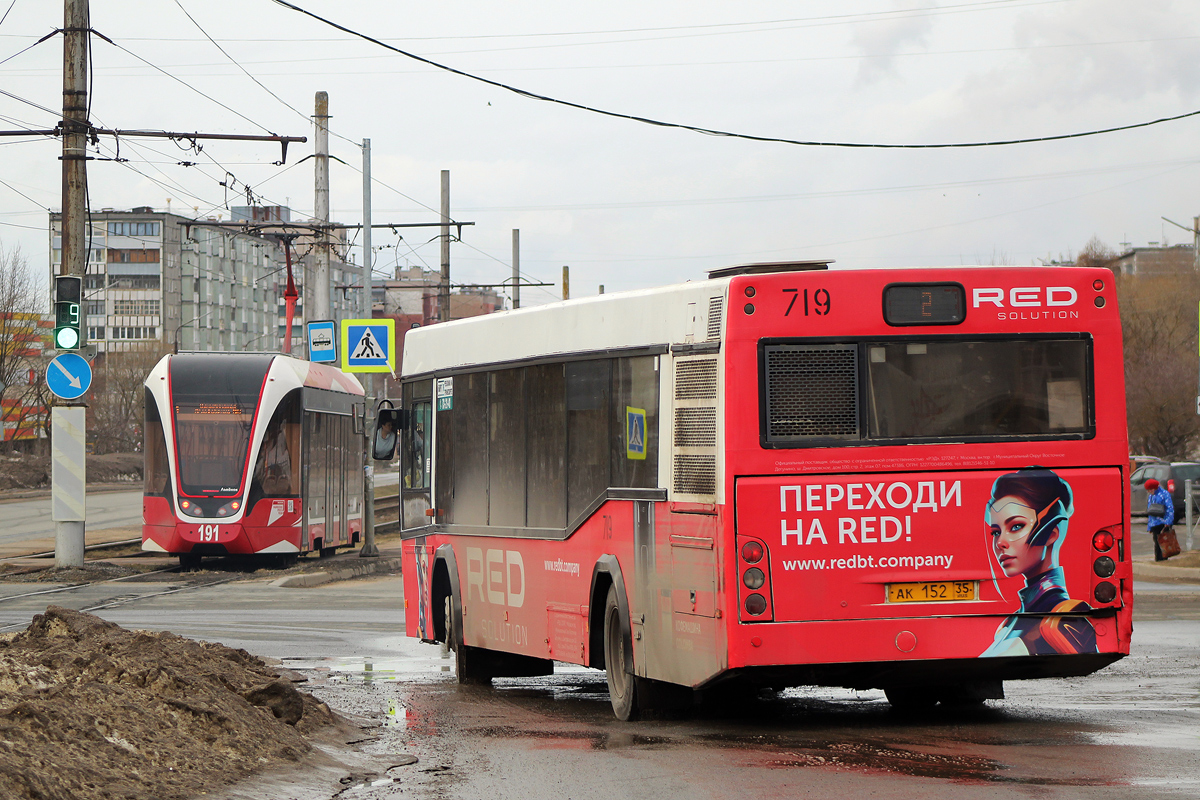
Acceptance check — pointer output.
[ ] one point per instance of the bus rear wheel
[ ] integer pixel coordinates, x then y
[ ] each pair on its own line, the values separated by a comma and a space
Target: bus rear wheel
622, 687
471, 664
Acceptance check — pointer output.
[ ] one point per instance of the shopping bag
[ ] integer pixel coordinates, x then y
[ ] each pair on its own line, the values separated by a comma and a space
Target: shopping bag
1168, 544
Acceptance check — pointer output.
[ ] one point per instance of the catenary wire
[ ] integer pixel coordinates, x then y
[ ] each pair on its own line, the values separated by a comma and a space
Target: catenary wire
731, 134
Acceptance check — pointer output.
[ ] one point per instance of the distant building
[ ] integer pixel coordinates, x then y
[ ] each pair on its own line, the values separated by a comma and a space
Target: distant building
25, 338
1153, 260
159, 278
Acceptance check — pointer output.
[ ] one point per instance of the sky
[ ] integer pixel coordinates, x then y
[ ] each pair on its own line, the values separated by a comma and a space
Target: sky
624, 203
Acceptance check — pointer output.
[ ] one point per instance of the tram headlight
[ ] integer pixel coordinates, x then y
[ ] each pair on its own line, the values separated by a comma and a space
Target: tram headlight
191, 508
229, 508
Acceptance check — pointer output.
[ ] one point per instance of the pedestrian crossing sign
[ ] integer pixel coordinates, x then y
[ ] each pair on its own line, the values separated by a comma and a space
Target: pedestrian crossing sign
635, 433
368, 345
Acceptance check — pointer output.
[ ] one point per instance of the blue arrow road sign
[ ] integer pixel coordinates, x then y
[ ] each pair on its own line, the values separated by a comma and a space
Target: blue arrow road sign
69, 376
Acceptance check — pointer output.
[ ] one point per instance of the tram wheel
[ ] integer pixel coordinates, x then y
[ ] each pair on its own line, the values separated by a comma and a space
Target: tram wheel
622, 687
189, 562
911, 698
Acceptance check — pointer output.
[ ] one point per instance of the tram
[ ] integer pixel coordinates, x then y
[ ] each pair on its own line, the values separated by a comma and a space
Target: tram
251, 454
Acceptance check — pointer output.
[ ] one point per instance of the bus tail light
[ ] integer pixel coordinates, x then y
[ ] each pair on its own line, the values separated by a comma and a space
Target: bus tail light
1108, 564
754, 581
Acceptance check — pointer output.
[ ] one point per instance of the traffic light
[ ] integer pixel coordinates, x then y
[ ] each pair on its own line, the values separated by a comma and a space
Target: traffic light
68, 292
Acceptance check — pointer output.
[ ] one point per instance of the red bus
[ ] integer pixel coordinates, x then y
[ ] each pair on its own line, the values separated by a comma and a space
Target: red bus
251, 454
911, 480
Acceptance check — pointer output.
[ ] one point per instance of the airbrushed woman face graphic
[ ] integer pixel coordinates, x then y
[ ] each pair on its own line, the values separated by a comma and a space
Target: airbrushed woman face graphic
1027, 518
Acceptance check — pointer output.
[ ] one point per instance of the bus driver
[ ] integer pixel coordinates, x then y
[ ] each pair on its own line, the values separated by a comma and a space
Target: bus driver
1027, 520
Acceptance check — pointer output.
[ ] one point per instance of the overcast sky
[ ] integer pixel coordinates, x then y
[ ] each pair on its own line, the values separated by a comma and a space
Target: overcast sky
627, 204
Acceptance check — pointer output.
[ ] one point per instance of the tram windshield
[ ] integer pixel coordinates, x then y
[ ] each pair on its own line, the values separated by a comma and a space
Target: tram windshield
213, 400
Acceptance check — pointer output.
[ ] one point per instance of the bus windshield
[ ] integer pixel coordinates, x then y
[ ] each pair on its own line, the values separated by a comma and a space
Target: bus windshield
213, 403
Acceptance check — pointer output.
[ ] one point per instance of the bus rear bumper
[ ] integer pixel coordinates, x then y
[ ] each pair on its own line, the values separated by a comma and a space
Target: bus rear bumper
943, 672
888, 652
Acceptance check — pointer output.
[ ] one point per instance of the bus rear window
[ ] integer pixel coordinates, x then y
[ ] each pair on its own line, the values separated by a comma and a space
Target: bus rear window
937, 389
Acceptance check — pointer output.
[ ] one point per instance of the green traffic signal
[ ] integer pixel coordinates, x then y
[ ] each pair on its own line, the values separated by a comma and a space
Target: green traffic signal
67, 297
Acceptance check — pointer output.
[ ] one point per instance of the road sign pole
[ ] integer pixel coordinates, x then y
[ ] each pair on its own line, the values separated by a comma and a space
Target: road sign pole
68, 483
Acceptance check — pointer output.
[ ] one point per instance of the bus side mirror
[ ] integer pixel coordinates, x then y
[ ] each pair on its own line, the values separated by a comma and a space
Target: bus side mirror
388, 424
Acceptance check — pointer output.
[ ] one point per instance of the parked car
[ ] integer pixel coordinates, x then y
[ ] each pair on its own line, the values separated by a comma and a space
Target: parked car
1171, 475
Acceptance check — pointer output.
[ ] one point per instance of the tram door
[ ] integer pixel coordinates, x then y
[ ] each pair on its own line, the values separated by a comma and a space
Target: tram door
336, 472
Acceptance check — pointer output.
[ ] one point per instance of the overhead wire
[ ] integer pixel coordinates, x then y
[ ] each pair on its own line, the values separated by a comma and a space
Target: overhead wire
723, 133
247, 73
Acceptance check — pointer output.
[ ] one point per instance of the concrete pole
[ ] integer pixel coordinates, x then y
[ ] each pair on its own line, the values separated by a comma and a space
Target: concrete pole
69, 525
516, 294
444, 286
320, 296
369, 549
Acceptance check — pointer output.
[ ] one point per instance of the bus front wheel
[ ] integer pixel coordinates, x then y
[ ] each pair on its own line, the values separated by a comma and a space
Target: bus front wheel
622, 687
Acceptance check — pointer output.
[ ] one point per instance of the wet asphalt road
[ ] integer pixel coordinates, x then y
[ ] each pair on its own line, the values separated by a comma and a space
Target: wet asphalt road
1132, 730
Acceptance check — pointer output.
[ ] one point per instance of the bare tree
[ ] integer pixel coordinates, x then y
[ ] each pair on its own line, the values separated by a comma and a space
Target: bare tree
1158, 318
1095, 254
23, 336
117, 395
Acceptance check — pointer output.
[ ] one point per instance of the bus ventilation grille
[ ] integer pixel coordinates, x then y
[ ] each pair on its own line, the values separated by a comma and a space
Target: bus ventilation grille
716, 305
696, 379
811, 391
696, 427
695, 474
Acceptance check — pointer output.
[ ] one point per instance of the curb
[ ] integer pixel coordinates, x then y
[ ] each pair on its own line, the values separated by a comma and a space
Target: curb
1151, 572
307, 579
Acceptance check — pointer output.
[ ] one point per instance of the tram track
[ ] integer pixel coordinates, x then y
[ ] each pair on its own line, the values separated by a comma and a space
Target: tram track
112, 602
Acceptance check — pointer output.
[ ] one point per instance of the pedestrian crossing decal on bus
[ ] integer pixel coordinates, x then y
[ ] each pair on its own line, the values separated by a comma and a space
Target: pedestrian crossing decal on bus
635, 433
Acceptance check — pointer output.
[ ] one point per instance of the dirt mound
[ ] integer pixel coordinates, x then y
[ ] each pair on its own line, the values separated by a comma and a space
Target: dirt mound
23, 471
91, 711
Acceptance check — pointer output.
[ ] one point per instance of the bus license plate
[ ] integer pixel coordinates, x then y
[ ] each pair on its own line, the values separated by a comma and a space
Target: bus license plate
932, 592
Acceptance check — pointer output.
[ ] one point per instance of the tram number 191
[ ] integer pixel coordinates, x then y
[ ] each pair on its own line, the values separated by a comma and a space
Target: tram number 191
208, 533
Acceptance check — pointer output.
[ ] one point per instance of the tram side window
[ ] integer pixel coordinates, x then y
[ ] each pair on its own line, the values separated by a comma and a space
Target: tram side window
316, 442
589, 385
277, 472
634, 433
546, 442
157, 473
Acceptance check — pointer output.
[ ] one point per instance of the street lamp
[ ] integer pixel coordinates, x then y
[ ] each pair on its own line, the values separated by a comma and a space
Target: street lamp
186, 324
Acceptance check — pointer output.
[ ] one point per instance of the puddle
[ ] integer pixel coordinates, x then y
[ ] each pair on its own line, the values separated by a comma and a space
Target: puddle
421, 663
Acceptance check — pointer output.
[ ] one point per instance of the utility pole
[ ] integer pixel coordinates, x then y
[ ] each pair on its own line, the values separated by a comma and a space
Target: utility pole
566, 283
516, 268
69, 461
444, 286
320, 295
369, 548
